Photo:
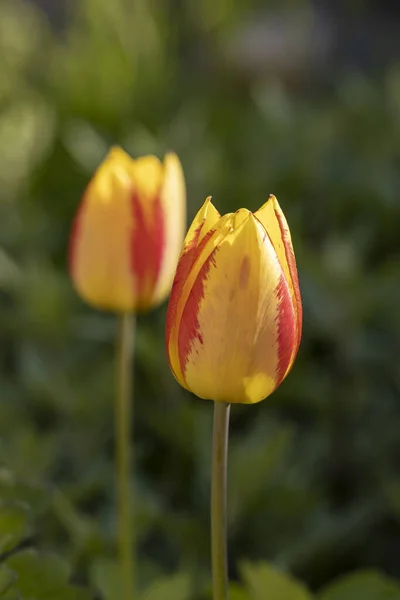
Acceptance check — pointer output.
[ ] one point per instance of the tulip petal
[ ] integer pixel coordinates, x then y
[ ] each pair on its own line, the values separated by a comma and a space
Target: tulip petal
173, 204
100, 261
274, 221
237, 327
205, 221
147, 172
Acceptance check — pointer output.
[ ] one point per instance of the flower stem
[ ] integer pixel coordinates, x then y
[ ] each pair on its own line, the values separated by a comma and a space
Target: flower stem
218, 501
123, 424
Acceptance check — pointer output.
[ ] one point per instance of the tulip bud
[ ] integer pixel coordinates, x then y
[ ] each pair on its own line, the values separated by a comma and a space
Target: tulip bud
128, 232
235, 316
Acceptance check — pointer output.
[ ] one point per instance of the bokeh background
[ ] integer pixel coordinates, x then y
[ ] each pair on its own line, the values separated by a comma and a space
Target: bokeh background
297, 98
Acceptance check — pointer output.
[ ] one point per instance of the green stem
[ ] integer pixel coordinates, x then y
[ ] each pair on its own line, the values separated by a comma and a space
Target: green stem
123, 423
218, 501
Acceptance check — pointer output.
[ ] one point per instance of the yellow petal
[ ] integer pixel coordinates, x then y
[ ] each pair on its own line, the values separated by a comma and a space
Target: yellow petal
211, 218
193, 255
173, 203
111, 176
274, 221
204, 220
268, 216
147, 174
100, 244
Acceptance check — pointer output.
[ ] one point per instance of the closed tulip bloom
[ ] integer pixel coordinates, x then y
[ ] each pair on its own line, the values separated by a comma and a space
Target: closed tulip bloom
235, 316
128, 232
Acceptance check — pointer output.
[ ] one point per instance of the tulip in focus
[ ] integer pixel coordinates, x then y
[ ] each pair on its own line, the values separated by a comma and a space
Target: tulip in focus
128, 232
235, 316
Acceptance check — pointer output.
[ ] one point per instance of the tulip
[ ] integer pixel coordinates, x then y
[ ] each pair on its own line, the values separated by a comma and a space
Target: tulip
235, 316
124, 249
233, 329
128, 232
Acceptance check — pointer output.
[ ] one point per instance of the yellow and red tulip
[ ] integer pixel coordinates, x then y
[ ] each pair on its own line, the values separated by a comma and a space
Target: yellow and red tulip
128, 232
235, 315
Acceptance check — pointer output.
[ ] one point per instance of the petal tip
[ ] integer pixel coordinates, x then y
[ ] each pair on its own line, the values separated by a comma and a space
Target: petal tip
209, 206
271, 199
240, 217
117, 153
173, 173
171, 157
274, 201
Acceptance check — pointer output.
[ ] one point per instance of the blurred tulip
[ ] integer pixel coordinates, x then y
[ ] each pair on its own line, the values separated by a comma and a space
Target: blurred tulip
235, 316
128, 232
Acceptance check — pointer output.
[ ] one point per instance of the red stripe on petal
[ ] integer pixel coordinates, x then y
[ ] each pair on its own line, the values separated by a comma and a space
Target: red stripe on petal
189, 326
147, 246
291, 261
287, 335
186, 262
182, 272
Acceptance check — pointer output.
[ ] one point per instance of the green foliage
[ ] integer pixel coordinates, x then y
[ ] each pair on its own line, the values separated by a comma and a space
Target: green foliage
370, 585
37, 575
314, 482
176, 586
238, 592
105, 577
263, 581
24, 573
7, 579
13, 526
32, 576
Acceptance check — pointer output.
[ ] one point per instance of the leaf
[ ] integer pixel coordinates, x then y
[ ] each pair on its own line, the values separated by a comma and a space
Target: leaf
264, 582
39, 576
105, 577
7, 578
238, 592
82, 529
34, 496
73, 593
176, 587
368, 585
13, 525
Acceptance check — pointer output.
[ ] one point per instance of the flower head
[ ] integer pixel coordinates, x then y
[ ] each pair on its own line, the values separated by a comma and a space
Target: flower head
235, 316
128, 232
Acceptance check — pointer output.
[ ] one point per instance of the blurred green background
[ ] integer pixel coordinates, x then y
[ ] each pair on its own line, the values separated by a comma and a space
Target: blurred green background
293, 98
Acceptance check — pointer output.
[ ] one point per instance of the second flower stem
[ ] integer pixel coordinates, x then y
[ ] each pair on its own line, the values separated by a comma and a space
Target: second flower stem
218, 501
123, 422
